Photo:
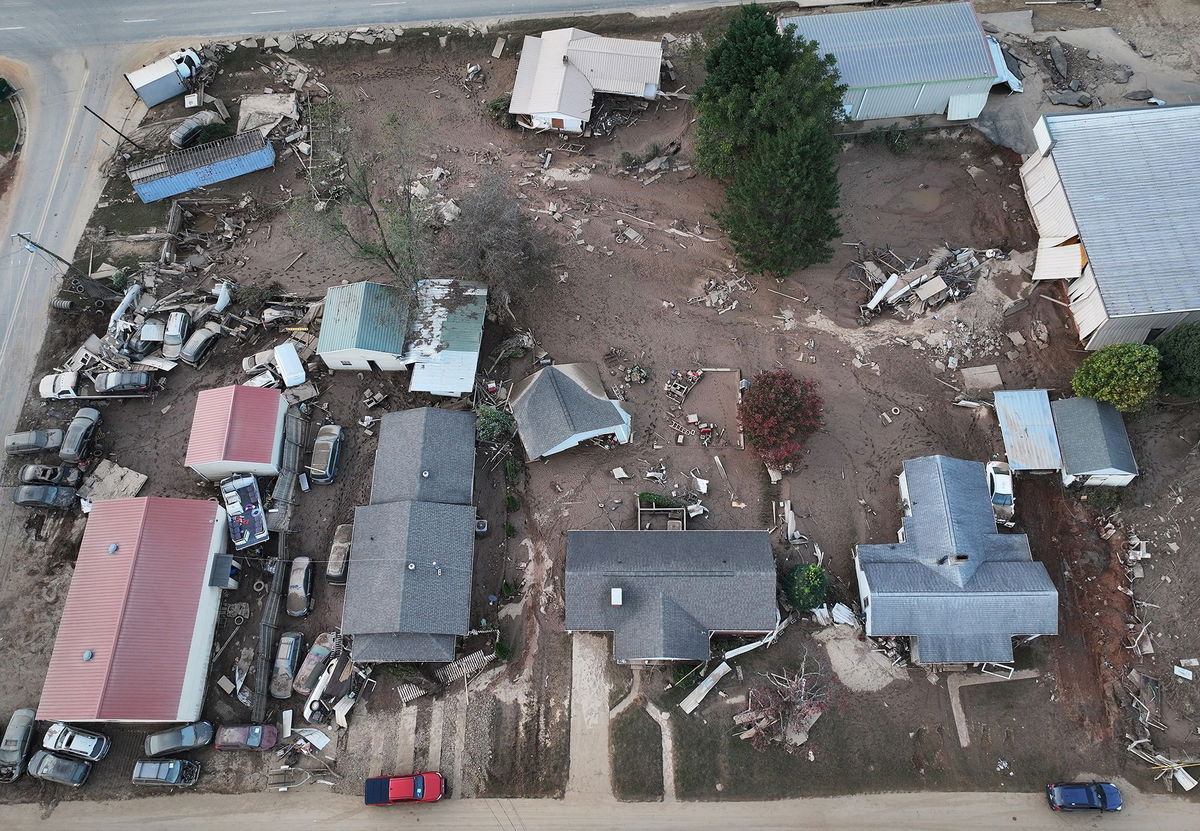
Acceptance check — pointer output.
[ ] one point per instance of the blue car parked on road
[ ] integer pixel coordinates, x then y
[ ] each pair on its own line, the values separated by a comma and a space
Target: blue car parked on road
1084, 796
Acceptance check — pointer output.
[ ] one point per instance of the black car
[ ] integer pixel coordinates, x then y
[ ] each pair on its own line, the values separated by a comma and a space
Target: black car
44, 496
77, 443
54, 768
60, 475
124, 383
179, 739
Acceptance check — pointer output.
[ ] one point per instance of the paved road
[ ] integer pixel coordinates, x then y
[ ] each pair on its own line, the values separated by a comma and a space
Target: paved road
317, 809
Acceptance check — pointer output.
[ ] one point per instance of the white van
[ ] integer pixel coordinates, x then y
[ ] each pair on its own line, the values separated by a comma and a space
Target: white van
289, 365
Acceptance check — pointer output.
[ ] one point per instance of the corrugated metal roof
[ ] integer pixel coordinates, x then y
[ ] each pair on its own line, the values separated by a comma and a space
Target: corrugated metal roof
560, 71
202, 155
1093, 437
235, 424
676, 586
1030, 440
366, 315
908, 45
134, 610
1132, 178
444, 335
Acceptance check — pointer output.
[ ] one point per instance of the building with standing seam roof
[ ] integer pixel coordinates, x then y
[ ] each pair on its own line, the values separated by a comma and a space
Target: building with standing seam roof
444, 336
1115, 196
236, 429
906, 61
952, 584
364, 325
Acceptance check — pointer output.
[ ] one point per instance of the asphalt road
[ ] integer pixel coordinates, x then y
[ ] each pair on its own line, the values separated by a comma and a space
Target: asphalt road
314, 807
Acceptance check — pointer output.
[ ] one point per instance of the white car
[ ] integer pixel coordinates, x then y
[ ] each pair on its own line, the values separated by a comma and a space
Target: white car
1000, 486
63, 738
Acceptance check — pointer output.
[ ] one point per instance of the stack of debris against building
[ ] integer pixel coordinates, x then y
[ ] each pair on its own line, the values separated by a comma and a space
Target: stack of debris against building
911, 288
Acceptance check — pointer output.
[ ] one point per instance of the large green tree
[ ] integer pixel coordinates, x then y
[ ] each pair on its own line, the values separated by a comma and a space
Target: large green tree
1125, 375
1180, 349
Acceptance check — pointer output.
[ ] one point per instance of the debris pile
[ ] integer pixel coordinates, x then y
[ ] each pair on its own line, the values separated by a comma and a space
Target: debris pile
718, 291
948, 275
785, 709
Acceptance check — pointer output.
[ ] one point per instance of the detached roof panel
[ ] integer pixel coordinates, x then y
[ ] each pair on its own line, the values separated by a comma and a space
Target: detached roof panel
1132, 178
1030, 440
194, 158
908, 45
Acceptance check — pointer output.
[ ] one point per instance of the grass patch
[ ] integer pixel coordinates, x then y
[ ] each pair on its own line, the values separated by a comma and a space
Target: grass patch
636, 746
8, 127
620, 682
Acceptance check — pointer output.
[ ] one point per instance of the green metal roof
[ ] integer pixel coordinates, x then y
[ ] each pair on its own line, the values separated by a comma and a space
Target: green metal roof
370, 316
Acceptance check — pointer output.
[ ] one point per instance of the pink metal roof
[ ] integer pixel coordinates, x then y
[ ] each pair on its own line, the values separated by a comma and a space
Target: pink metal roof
135, 610
234, 424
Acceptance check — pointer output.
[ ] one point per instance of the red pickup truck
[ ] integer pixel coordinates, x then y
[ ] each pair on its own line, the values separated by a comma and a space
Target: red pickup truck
415, 787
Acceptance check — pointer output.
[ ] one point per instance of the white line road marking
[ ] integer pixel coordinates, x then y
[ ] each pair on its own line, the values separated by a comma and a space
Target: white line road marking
143, 20
11, 28
394, 3
273, 11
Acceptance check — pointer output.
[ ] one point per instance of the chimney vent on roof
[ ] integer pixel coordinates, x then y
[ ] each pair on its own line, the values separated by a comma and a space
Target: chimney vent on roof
88, 655
959, 559
113, 548
424, 474
412, 566
565, 58
616, 596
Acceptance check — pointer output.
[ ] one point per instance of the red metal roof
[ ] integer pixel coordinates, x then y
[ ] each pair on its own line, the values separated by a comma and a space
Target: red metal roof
234, 424
134, 609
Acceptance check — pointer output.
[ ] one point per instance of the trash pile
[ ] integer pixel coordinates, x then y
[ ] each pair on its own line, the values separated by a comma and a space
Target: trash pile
718, 291
785, 709
948, 275
611, 112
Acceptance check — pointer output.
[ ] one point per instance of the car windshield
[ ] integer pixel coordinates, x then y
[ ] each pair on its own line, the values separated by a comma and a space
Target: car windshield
418, 787
1002, 499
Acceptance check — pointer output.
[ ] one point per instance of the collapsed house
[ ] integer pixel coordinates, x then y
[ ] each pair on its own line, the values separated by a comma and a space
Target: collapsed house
444, 336
408, 592
1098, 222
663, 594
363, 326
952, 584
236, 429
205, 164
561, 406
909, 61
560, 72
137, 629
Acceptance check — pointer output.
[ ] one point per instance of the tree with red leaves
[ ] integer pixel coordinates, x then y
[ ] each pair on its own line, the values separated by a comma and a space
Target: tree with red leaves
778, 413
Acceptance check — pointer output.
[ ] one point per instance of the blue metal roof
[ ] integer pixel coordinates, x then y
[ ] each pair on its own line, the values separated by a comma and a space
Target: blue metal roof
1030, 440
175, 173
367, 316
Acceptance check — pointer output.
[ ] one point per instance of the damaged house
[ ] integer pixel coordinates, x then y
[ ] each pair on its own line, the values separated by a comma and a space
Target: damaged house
560, 72
952, 584
364, 326
907, 61
663, 594
1116, 201
408, 592
562, 406
444, 336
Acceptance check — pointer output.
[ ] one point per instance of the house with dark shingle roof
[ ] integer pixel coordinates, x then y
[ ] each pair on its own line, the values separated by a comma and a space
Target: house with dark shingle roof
663, 594
364, 325
1094, 443
561, 406
408, 590
952, 584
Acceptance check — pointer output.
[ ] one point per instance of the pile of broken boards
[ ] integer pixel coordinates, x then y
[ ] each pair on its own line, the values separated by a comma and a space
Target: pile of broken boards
199, 232
911, 290
613, 111
784, 710
719, 291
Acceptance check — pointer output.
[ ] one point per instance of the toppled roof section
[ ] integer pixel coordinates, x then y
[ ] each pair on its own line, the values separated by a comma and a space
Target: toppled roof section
426, 455
1145, 197
444, 335
560, 71
676, 588
563, 405
908, 45
955, 585
1093, 437
1030, 440
368, 316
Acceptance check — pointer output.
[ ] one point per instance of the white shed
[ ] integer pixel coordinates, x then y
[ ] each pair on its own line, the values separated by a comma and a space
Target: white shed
237, 429
1095, 445
364, 326
906, 61
444, 336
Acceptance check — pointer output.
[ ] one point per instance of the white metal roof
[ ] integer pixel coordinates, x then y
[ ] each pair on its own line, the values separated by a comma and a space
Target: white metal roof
906, 45
1132, 178
1030, 440
560, 71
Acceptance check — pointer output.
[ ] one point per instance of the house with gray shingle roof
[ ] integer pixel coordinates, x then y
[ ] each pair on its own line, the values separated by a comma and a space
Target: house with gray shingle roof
959, 589
364, 326
408, 590
564, 405
663, 594
1094, 443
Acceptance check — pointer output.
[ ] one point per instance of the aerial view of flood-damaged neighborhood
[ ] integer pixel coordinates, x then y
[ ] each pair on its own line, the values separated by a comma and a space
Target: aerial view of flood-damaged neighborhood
709, 417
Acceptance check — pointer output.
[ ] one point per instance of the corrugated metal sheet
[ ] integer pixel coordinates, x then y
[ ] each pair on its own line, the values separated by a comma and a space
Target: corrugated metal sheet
235, 423
1132, 178
967, 105
617, 65
368, 316
135, 610
1046, 198
909, 45
1059, 262
1132, 329
1030, 440
205, 164
445, 334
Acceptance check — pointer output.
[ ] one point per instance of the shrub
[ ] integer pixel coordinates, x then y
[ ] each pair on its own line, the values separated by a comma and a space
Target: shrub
778, 413
513, 470
1125, 375
1180, 350
510, 530
512, 502
502, 650
493, 425
498, 110
806, 587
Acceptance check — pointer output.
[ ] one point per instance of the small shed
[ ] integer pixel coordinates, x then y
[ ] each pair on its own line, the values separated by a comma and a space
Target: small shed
1030, 439
444, 336
561, 406
560, 72
1095, 445
205, 164
236, 429
906, 61
363, 327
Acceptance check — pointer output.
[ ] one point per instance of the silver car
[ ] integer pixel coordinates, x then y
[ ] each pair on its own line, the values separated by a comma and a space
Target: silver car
198, 346
299, 594
63, 738
77, 442
326, 449
15, 748
179, 326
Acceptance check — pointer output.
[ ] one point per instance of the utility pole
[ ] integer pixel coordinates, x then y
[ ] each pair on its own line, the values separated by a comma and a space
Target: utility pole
31, 246
114, 129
